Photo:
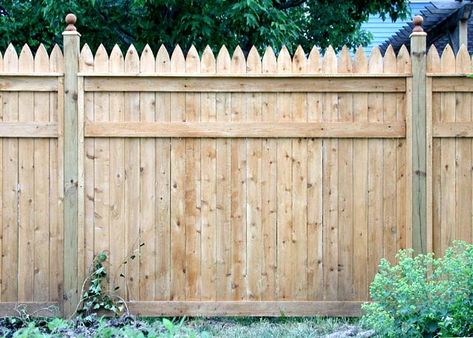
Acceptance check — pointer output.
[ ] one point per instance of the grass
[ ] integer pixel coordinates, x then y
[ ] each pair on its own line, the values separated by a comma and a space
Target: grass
158, 327
269, 327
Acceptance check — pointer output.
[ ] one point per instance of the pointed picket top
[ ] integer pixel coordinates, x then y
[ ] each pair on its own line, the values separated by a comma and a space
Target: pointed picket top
375, 63
329, 64
117, 61
25, 60
447, 62
10, 60
86, 60
389, 61
56, 60
269, 63
132, 60
360, 62
147, 61
433, 60
253, 64
404, 61
238, 61
284, 61
344, 61
178, 62
163, 62
463, 63
314, 63
207, 65
41, 60
101, 60
223, 61
299, 61
192, 61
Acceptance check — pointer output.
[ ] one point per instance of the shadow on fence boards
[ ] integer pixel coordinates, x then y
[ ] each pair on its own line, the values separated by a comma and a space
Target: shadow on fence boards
262, 186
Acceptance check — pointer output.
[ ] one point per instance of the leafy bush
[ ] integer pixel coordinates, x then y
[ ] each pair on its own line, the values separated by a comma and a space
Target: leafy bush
423, 296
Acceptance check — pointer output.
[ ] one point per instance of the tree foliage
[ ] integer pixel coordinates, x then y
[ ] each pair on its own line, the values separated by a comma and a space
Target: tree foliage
199, 22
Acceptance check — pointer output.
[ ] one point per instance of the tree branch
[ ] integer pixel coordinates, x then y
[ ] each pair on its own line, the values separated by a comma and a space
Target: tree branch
288, 3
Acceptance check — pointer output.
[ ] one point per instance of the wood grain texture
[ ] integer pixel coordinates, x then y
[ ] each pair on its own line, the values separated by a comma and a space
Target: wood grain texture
247, 308
393, 129
245, 84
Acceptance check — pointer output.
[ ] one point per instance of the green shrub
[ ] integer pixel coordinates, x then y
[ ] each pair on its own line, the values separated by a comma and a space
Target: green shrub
423, 296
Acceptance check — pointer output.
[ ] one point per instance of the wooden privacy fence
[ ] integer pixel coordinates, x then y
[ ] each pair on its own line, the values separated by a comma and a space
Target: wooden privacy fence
259, 186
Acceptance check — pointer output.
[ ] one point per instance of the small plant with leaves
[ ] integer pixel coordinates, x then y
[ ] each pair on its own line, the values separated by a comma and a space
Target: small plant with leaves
423, 296
96, 297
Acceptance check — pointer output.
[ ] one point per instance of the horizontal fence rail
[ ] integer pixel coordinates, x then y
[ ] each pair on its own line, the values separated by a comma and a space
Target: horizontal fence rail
244, 84
246, 130
31, 83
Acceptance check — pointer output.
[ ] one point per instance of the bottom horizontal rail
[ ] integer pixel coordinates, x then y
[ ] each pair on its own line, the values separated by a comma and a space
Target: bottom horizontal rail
246, 308
37, 309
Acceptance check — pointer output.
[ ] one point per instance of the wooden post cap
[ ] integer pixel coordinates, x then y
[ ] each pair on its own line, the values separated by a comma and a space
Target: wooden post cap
71, 19
417, 21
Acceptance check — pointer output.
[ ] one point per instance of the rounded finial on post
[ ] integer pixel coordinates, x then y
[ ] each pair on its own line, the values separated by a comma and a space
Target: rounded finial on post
71, 19
417, 21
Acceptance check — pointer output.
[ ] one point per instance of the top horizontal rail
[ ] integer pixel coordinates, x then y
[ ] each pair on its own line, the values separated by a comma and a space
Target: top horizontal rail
28, 83
38, 74
217, 83
452, 83
248, 75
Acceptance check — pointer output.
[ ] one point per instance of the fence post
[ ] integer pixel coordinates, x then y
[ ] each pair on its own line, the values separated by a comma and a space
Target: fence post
71, 202
418, 130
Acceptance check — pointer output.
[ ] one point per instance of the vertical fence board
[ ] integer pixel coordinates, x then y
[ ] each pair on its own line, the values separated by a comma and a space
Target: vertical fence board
360, 187
26, 204
345, 183
56, 195
463, 163
117, 184
147, 186
208, 188
268, 188
299, 185
132, 182
254, 196
10, 189
375, 173
239, 187
315, 273
448, 157
433, 66
42, 195
178, 184
330, 184
390, 166
284, 185
163, 188
403, 65
224, 183
192, 188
